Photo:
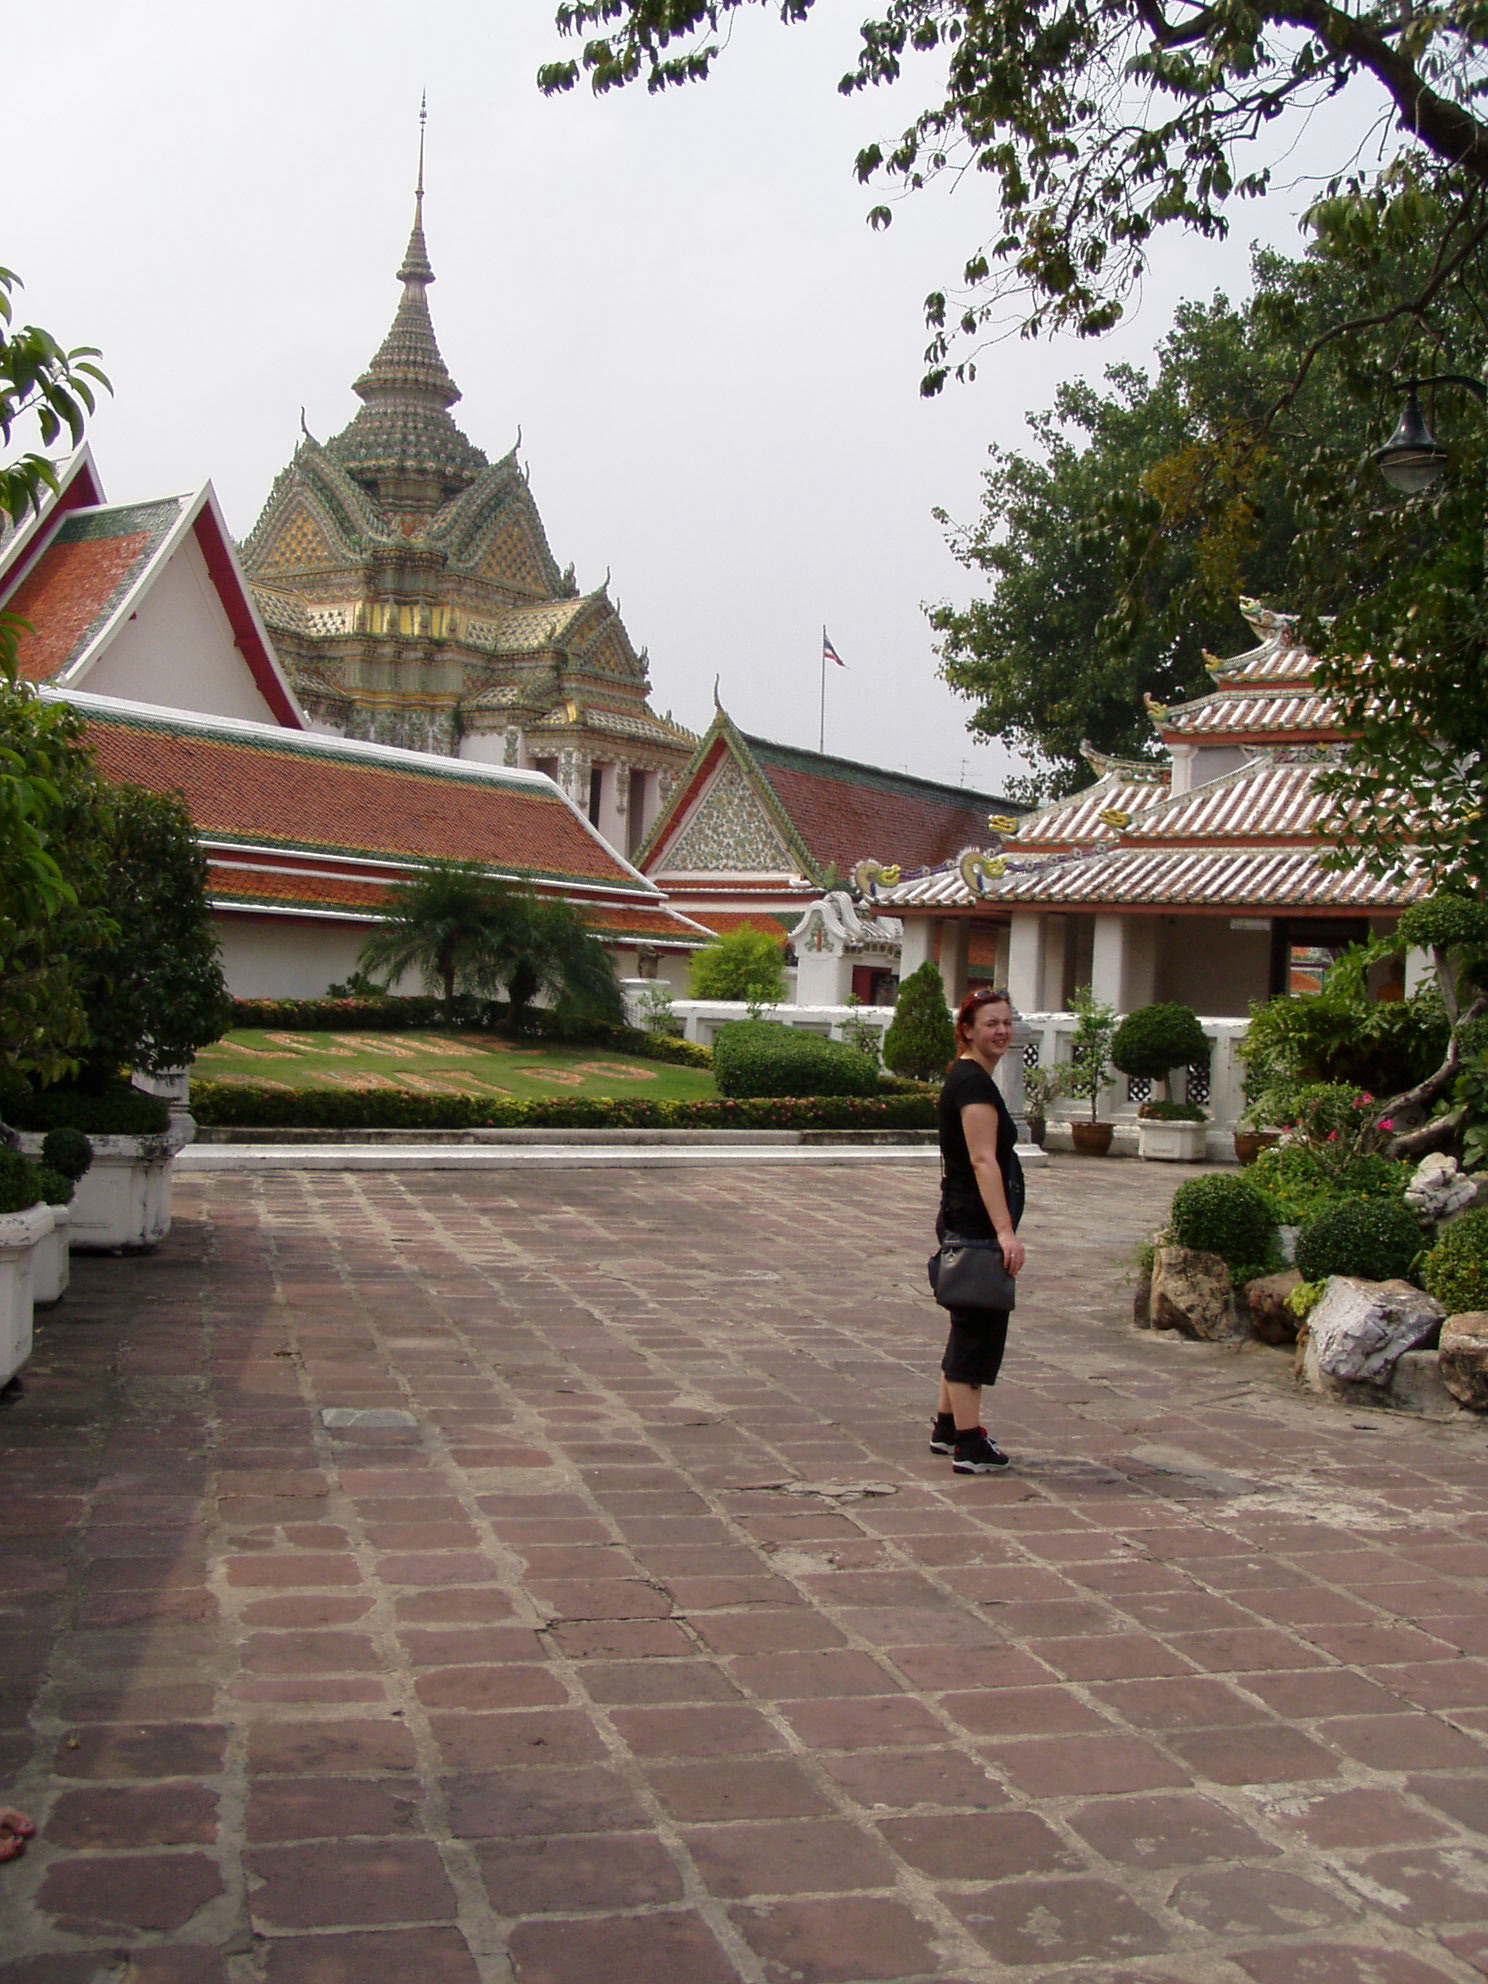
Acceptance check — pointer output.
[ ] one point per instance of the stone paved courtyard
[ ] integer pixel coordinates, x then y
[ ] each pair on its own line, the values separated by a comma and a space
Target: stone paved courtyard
651, 1643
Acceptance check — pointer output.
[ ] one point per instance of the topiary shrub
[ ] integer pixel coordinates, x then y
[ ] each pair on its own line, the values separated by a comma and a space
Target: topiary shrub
68, 1152
1298, 1182
1225, 1216
20, 1183
56, 1189
1456, 1269
921, 1039
1375, 1239
1154, 1040
758, 1057
116, 1110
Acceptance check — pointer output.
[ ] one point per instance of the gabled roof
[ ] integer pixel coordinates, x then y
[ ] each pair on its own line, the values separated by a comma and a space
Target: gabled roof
1094, 815
294, 818
1272, 798
95, 572
828, 812
1265, 695
79, 486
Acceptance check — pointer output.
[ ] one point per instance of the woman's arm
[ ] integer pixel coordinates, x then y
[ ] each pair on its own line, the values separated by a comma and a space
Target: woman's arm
979, 1121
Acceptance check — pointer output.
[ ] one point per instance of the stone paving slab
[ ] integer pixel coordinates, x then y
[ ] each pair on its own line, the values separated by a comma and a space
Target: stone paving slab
466, 1578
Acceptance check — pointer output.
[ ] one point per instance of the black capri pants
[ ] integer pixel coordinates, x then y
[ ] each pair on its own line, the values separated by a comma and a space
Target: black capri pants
977, 1340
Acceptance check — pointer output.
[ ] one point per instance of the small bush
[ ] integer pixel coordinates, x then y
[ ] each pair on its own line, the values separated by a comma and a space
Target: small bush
746, 964
68, 1152
20, 1182
1298, 1182
921, 1039
1225, 1216
757, 1057
275, 1105
1456, 1269
116, 1111
56, 1188
1375, 1239
1154, 1040
1171, 1112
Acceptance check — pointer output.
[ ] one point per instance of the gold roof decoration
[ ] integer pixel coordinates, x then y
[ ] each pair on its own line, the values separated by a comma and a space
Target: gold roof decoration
1155, 710
1112, 816
978, 870
1002, 823
870, 876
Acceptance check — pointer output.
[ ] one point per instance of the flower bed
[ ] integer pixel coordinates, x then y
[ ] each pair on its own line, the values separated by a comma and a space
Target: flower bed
465, 1015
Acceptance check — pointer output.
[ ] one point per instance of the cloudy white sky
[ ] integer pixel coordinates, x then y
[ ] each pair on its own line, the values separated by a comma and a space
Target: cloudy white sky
713, 361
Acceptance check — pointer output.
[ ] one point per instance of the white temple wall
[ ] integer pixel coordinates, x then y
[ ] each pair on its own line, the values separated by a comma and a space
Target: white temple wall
282, 957
179, 649
1204, 963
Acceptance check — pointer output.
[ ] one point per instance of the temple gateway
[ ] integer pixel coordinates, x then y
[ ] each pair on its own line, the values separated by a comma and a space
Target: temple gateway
410, 592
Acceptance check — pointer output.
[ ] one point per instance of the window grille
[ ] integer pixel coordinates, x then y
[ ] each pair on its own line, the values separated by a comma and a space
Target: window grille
1198, 1081
1138, 1089
1031, 1054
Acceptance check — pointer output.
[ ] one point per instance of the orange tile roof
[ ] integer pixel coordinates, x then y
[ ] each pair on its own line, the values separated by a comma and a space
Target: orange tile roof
80, 579
289, 790
845, 811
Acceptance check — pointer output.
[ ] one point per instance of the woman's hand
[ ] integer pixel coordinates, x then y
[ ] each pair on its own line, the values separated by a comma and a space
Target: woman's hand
1013, 1254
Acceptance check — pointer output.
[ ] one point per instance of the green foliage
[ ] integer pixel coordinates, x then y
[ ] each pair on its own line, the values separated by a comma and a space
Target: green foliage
1088, 1069
359, 985
758, 1058
1470, 1094
1456, 1269
1040, 1087
115, 1110
654, 1013
42, 381
21, 1183
463, 930
68, 1152
274, 1105
745, 964
1298, 1179
1376, 1239
921, 1037
1225, 1215
1305, 1297
1154, 1040
154, 991
1171, 1112
1091, 130
1340, 1034
1444, 921
54, 913
56, 1187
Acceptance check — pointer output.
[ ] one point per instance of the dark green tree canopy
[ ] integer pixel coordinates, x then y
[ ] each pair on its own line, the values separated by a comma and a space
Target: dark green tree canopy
1096, 123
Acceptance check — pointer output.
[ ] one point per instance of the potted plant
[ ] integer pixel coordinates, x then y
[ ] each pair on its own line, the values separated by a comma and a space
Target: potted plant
65, 1156
1088, 1070
25, 1221
1262, 1122
1148, 1045
1039, 1089
150, 992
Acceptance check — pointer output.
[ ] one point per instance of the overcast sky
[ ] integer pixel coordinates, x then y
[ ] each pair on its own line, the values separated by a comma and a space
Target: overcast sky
713, 361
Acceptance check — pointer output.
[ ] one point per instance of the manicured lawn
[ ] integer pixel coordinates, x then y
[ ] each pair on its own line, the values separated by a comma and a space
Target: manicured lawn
442, 1064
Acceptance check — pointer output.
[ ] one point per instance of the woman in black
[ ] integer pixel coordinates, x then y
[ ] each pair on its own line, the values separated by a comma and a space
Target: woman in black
981, 1198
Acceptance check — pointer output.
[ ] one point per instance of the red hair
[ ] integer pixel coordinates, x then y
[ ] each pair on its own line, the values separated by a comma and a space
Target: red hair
971, 1005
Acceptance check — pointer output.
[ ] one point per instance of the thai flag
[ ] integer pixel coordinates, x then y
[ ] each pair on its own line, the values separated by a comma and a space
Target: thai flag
829, 653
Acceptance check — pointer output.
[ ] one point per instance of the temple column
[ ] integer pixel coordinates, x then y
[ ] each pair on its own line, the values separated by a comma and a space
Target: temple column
954, 932
1123, 966
917, 944
1026, 948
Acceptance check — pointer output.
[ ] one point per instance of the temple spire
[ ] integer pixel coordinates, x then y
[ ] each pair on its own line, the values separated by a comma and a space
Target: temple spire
404, 434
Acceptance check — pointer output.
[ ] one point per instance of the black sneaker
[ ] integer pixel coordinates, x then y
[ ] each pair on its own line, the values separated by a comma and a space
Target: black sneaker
975, 1453
943, 1434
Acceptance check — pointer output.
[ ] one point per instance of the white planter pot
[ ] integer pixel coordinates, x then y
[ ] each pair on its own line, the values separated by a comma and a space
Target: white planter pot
51, 1264
20, 1233
123, 1199
1171, 1143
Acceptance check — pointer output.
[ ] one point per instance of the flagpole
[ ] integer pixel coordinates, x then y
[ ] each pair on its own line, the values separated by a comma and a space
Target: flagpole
821, 735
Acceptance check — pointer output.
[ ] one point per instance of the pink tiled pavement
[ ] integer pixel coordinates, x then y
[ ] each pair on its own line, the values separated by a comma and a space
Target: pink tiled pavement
638, 1635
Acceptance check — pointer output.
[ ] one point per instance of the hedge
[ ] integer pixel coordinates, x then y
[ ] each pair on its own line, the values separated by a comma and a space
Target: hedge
117, 1111
274, 1105
468, 1015
762, 1058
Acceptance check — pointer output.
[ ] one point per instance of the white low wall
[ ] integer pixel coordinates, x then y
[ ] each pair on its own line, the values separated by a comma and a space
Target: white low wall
1053, 1035
701, 1018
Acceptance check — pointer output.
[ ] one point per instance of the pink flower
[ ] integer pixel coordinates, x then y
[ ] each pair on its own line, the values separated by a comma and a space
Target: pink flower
1385, 1123
1332, 1136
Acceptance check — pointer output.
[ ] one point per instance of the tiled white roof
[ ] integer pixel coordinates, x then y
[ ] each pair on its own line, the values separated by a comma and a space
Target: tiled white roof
1266, 798
1076, 821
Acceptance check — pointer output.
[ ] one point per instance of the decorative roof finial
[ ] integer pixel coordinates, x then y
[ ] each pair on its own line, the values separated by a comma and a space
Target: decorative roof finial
418, 191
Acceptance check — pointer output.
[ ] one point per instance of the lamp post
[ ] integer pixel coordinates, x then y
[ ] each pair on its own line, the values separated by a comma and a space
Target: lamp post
1413, 459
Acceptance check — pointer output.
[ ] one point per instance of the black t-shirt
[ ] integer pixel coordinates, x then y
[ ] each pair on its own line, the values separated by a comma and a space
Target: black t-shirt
961, 1206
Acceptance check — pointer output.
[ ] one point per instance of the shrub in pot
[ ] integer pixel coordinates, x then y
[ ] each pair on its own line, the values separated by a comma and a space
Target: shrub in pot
1154, 1040
1040, 1087
25, 1221
1088, 1070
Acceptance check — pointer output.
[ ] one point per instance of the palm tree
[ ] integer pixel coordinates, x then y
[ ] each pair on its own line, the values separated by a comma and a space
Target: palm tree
463, 930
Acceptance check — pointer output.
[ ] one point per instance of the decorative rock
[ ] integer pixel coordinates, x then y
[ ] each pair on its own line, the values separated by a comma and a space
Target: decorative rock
1438, 1192
1464, 1358
1270, 1318
1418, 1386
1359, 1329
1191, 1294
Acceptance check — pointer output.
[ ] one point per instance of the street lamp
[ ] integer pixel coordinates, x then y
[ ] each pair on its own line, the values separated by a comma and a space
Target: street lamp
1413, 459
